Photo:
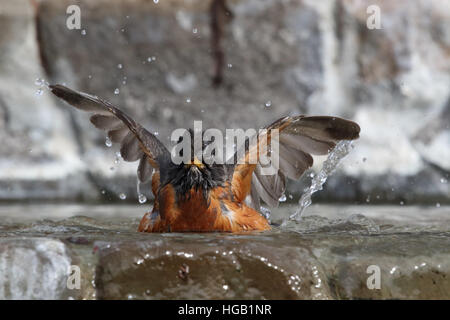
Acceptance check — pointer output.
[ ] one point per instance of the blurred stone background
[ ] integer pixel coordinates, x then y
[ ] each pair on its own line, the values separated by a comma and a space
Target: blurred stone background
158, 61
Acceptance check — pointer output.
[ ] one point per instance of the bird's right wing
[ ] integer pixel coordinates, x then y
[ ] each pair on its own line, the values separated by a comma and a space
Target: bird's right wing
136, 143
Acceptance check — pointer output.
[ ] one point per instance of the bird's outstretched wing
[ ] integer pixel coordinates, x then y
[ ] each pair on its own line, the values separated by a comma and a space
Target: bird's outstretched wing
299, 137
136, 143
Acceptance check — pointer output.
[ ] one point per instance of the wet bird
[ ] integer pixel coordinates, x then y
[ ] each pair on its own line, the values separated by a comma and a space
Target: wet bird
211, 197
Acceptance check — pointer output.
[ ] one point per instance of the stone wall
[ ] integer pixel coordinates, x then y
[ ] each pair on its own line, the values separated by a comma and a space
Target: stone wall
280, 58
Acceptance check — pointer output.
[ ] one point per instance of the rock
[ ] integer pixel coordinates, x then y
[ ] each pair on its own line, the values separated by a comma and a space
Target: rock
434, 134
226, 267
39, 150
402, 273
34, 269
334, 252
303, 56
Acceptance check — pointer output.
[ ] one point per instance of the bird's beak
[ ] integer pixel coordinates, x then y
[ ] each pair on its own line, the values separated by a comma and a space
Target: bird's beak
196, 163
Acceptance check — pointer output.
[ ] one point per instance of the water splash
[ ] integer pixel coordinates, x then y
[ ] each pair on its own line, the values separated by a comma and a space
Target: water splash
141, 197
341, 150
266, 212
41, 83
118, 157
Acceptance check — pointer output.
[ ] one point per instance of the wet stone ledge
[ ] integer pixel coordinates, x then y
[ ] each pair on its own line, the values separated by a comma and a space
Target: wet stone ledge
274, 265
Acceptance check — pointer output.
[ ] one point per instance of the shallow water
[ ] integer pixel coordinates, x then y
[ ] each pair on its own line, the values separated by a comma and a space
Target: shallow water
122, 220
322, 256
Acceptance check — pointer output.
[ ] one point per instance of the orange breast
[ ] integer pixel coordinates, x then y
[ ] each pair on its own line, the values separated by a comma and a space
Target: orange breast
220, 213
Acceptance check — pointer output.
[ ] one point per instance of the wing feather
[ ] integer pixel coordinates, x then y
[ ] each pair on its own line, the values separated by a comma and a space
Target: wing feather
135, 141
299, 138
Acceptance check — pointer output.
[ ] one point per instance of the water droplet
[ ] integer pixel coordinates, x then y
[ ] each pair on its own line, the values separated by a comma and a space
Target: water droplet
142, 198
268, 104
116, 91
194, 30
41, 82
83, 32
122, 196
118, 157
39, 92
119, 66
188, 100
282, 198
108, 142
266, 212
155, 1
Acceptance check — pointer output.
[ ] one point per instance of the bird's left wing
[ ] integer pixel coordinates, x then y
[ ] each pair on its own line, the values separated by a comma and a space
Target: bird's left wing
297, 138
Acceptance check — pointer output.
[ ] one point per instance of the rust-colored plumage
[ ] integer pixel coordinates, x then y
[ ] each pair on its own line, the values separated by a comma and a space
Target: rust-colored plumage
202, 197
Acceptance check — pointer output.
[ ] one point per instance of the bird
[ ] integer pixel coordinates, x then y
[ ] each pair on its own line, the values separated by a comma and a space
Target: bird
204, 196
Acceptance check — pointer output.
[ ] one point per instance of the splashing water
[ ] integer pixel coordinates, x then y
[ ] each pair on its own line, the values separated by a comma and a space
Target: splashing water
118, 157
339, 152
141, 197
41, 83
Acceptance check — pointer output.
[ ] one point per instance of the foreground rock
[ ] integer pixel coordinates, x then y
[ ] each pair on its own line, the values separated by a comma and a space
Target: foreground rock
234, 267
319, 258
33, 269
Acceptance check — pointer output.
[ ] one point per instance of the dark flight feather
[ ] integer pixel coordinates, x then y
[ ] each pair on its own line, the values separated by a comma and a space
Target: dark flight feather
299, 138
135, 140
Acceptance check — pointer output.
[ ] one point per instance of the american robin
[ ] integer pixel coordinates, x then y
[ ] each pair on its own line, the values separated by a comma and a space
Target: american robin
205, 197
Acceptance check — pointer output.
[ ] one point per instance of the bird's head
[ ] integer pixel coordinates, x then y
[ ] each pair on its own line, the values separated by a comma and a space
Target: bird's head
196, 170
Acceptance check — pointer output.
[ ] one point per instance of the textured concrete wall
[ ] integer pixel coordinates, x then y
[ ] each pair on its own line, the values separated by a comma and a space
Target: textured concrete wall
280, 58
